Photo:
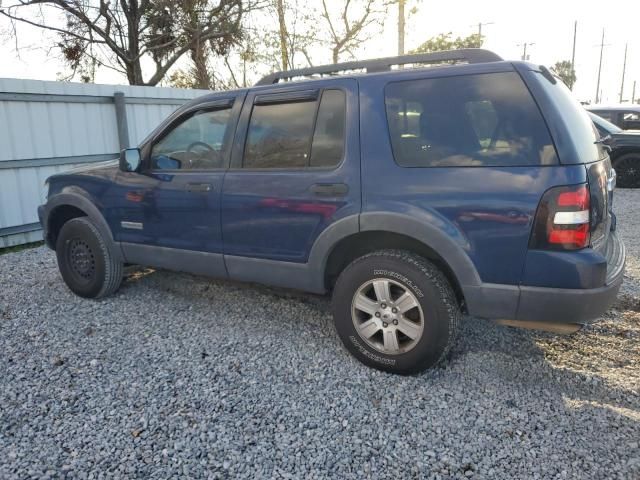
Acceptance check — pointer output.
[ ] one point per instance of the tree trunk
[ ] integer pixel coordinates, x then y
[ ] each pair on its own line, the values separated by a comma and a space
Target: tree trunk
199, 58
134, 68
284, 51
401, 27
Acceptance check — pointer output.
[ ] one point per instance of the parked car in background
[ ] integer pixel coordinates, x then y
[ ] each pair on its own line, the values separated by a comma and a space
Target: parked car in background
411, 195
625, 151
627, 117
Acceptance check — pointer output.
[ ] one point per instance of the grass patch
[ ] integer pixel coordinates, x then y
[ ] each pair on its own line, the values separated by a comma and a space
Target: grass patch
19, 248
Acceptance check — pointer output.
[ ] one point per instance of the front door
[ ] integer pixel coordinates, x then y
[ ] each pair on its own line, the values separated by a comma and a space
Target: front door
174, 202
295, 170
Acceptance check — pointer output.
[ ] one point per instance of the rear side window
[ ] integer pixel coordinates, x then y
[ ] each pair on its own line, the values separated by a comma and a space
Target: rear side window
297, 134
471, 120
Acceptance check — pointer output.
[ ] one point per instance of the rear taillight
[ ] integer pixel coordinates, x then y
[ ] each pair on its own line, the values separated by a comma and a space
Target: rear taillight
563, 220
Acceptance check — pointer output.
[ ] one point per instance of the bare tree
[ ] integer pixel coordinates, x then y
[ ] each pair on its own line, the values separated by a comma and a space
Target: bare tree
347, 34
272, 39
121, 34
282, 24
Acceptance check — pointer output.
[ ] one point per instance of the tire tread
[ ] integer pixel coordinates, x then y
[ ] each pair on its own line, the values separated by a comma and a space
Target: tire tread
113, 266
436, 277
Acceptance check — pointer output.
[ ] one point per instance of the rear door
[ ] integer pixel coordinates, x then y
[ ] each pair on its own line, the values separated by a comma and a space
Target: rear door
295, 170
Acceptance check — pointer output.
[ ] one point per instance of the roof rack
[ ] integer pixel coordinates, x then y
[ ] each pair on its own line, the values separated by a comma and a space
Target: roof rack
467, 55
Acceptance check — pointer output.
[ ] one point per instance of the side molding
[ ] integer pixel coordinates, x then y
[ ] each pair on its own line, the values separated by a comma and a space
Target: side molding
197, 263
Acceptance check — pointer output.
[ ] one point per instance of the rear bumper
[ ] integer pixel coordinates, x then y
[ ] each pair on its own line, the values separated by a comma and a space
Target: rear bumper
566, 305
553, 305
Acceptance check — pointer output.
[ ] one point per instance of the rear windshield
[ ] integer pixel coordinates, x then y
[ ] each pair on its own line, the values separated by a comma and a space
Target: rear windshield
471, 120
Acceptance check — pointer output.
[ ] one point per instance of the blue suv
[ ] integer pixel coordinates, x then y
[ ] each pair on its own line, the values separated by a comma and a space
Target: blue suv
463, 184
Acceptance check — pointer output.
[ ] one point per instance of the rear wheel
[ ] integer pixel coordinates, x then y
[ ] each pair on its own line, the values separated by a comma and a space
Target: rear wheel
86, 264
628, 170
395, 311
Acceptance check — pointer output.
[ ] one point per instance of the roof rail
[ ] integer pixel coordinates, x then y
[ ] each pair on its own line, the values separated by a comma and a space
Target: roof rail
467, 55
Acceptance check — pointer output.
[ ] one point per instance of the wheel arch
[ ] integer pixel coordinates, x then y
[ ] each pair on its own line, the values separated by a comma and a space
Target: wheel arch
395, 231
63, 207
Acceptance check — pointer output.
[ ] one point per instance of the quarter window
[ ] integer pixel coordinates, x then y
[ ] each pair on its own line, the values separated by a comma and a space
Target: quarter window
328, 140
196, 143
470, 120
297, 134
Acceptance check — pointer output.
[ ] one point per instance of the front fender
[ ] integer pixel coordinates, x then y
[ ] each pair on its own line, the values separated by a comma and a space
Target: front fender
80, 199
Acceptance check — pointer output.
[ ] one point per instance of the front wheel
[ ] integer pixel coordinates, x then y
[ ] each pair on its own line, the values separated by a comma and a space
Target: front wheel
87, 265
395, 311
628, 170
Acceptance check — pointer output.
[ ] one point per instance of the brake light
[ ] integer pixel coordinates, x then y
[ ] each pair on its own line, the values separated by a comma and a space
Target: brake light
578, 198
562, 221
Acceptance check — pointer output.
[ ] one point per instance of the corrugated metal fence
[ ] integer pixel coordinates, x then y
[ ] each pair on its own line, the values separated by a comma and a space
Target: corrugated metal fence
49, 127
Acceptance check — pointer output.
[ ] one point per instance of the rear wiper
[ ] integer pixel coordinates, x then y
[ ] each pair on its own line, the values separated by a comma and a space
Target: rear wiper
605, 142
548, 75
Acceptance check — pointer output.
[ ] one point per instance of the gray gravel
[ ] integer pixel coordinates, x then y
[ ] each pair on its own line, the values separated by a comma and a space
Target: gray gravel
178, 375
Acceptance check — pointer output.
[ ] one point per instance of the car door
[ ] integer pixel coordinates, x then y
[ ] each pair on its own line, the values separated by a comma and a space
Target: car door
173, 204
295, 171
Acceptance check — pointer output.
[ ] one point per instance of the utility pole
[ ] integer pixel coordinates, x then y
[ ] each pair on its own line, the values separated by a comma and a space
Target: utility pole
480, 25
401, 27
624, 70
600, 68
524, 50
633, 93
573, 52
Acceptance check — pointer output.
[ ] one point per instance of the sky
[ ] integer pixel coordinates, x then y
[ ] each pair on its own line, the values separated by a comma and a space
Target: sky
546, 25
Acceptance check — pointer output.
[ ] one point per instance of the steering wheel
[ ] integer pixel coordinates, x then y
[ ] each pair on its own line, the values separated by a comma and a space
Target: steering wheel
200, 144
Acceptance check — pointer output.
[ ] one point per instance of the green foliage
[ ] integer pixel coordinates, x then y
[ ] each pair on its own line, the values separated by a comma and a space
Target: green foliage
565, 71
19, 248
444, 41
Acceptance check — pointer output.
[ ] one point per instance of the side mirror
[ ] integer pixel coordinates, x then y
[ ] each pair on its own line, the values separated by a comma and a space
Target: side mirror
130, 159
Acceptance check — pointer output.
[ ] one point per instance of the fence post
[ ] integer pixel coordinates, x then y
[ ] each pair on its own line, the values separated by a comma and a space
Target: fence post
121, 120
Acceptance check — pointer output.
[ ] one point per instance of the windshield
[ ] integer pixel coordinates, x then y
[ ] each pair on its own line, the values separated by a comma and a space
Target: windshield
604, 125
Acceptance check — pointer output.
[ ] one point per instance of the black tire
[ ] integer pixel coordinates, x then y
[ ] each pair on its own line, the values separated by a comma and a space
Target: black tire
628, 170
406, 272
86, 264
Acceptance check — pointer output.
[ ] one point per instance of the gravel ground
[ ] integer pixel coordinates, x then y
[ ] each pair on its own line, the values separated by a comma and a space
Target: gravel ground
178, 375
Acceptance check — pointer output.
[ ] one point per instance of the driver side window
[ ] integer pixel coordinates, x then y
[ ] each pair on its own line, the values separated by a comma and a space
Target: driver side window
196, 143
